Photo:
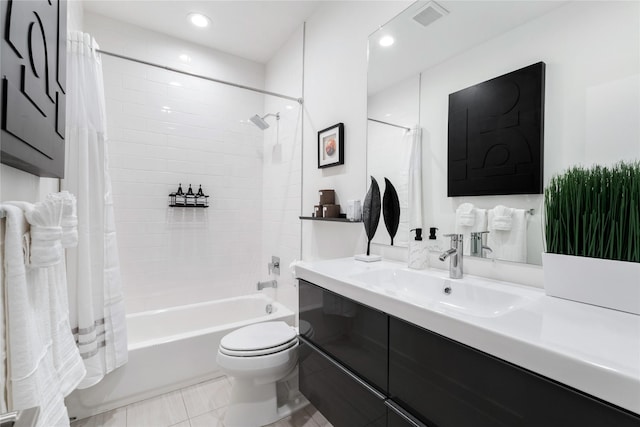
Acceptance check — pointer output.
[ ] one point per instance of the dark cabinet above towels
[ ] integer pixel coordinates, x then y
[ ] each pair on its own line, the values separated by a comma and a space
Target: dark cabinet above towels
33, 85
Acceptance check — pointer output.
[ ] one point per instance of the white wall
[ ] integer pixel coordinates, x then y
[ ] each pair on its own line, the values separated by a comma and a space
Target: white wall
335, 91
282, 171
164, 129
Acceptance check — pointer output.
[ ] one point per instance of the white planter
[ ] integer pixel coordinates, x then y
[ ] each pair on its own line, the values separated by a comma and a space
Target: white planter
602, 282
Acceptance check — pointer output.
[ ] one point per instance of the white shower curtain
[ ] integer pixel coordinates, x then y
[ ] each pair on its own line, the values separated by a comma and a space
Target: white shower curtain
414, 167
410, 186
96, 305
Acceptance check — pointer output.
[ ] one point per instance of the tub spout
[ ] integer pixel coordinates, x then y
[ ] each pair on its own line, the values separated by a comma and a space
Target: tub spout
267, 284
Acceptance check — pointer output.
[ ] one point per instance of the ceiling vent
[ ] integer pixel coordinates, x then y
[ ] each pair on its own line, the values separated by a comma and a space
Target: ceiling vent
430, 13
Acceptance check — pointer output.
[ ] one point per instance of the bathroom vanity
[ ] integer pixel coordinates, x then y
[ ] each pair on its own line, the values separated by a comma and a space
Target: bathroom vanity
389, 346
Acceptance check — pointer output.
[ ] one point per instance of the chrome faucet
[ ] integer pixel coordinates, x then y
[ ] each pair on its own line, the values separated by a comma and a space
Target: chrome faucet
455, 256
478, 245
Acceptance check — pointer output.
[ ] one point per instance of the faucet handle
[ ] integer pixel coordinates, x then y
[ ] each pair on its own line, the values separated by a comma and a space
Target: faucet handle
454, 237
274, 265
478, 234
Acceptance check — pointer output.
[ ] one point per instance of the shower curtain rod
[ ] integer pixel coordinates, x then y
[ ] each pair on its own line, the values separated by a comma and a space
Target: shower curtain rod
211, 79
390, 124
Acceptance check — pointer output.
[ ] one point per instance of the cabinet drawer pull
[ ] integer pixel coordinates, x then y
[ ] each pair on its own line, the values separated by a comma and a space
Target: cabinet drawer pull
403, 414
344, 370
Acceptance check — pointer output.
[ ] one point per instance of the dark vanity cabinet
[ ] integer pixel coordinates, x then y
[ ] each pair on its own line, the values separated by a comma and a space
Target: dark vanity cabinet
33, 86
448, 384
344, 360
362, 367
337, 393
348, 331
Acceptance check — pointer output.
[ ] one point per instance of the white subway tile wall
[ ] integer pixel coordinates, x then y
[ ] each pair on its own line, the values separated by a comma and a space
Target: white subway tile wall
197, 133
166, 128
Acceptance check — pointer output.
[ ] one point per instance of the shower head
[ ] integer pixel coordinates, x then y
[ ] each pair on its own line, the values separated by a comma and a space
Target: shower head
260, 122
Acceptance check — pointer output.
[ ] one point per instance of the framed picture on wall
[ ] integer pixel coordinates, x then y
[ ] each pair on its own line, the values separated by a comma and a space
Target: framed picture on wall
496, 135
331, 146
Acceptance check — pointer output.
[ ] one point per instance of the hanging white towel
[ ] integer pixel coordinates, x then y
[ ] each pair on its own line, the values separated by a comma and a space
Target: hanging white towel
32, 379
409, 185
508, 234
415, 179
66, 356
69, 222
46, 233
45, 219
469, 219
96, 303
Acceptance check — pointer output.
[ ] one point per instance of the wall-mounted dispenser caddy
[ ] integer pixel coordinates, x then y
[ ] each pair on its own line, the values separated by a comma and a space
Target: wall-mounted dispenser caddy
188, 199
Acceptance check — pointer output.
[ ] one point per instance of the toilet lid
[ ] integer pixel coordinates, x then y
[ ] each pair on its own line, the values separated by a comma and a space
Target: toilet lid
259, 336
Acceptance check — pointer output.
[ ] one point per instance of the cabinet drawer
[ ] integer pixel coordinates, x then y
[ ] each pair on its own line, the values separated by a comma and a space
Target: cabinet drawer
398, 417
448, 384
340, 396
352, 333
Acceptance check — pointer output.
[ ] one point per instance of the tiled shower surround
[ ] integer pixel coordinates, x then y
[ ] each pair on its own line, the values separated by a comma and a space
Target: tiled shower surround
166, 128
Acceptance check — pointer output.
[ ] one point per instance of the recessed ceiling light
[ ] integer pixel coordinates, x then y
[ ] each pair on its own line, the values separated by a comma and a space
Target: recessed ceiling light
199, 20
386, 41
185, 58
175, 84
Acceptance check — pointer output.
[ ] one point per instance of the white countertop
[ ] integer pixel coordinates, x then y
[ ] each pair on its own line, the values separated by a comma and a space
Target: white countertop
590, 348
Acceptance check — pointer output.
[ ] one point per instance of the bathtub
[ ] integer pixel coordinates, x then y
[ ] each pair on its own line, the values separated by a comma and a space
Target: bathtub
172, 348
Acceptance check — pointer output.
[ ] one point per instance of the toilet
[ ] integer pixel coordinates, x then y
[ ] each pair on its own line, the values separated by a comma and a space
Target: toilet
261, 360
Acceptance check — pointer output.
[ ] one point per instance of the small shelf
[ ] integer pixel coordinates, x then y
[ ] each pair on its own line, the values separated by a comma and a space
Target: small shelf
341, 219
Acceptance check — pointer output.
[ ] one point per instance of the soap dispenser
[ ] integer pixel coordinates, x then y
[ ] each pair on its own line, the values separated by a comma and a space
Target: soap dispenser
418, 253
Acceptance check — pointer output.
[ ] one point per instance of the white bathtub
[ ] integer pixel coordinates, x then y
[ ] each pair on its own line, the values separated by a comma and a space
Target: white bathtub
172, 348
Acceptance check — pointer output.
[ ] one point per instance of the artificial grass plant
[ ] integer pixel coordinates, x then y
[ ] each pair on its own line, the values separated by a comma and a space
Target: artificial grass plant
595, 212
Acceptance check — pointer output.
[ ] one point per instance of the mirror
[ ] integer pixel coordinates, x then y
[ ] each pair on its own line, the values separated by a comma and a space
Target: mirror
592, 95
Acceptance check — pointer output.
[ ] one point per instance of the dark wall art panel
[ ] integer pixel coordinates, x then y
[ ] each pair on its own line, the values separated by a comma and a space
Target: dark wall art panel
496, 135
34, 38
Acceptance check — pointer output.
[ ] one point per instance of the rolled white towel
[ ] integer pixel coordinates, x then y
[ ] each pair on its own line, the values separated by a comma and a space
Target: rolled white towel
46, 233
46, 246
465, 216
469, 219
69, 220
502, 218
508, 234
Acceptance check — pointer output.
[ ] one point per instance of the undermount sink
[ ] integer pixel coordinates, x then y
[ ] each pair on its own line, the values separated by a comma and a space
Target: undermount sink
471, 297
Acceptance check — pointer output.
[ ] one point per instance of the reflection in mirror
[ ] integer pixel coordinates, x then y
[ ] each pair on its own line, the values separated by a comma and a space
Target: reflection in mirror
393, 117
591, 100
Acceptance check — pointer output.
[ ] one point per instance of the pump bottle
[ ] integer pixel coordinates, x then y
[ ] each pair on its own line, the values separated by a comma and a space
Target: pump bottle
418, 253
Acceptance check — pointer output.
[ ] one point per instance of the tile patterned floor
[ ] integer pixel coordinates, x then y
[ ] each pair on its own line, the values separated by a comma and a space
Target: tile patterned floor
201, 405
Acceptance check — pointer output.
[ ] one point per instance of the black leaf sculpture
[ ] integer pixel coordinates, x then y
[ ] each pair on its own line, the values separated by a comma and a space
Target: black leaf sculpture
391, 209
371, 211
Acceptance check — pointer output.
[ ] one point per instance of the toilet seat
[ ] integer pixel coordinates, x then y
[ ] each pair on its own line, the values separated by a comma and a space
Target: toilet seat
259, 339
